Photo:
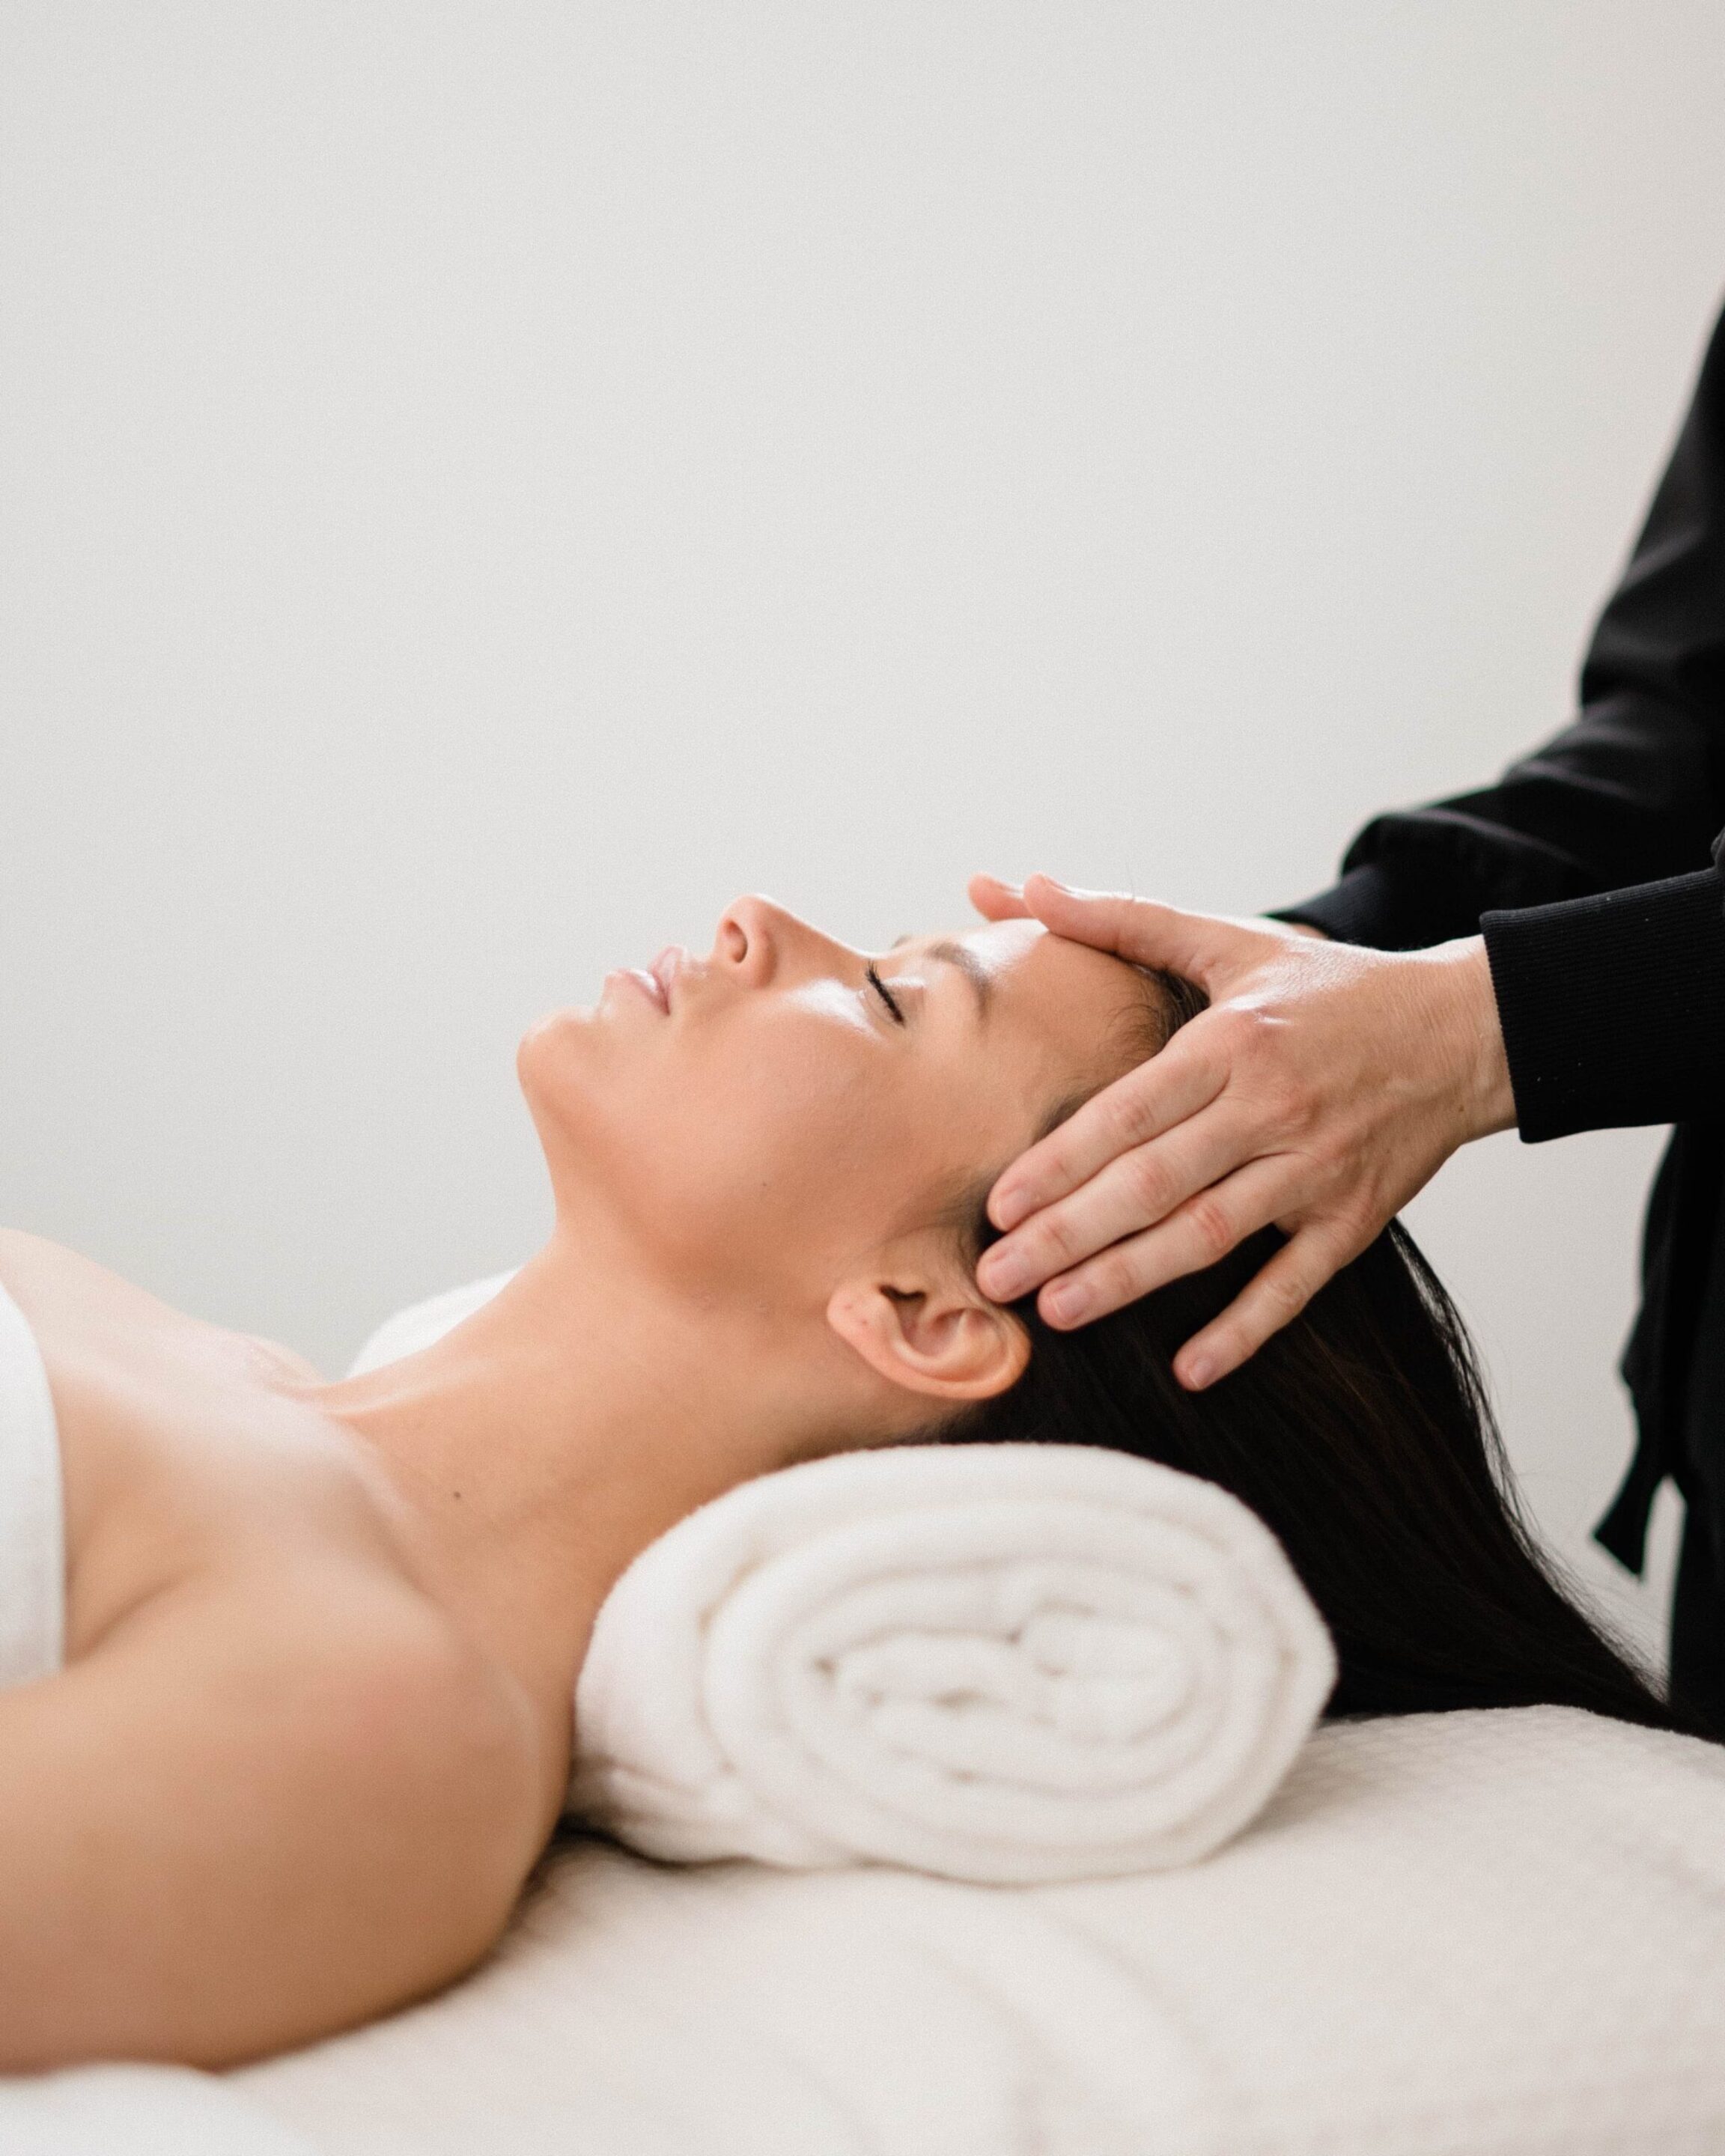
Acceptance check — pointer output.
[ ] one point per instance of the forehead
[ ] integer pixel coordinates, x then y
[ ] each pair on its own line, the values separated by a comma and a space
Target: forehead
1067, 992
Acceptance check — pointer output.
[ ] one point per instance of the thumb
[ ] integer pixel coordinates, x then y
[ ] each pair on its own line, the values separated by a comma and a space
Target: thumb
996, 901
1199, 946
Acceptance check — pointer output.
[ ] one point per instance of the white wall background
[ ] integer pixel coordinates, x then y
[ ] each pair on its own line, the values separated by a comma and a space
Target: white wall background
485, 483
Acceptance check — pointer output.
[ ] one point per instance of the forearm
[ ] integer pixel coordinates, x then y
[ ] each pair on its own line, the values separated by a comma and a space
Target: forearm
1614, 1007
1607, 1011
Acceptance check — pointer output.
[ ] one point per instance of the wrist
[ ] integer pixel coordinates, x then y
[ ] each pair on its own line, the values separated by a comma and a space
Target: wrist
1474, 1038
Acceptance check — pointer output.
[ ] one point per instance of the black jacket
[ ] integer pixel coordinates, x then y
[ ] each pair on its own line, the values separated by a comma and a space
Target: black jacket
1593, 869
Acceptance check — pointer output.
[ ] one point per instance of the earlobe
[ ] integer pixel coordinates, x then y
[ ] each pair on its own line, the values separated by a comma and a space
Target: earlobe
948, 1343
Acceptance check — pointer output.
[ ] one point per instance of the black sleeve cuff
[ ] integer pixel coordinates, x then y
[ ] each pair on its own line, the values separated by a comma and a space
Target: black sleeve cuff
1388, 911
1349, 912
1613, 1006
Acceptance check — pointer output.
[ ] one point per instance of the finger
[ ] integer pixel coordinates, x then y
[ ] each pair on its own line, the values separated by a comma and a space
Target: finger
1270, 1300
1196, 1234
1135, 1190
1150, 1099
996, 901
1196, 945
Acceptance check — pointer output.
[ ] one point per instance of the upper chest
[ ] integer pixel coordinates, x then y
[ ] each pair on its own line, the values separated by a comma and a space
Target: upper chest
183, 1447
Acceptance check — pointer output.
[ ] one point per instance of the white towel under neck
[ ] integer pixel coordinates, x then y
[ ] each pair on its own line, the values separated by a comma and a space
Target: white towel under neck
32, 1594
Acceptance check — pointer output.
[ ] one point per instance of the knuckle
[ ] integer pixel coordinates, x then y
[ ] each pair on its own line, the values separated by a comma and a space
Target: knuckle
1351, 1228
1333, 1159
1059, 1242
1239, 1028
1126, 1115
1112, 1280
1210, 1228
1258, 1061
1147, 1184
1285, 1295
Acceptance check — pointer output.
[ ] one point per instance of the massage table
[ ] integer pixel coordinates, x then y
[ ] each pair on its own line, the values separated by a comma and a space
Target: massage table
1447, 1935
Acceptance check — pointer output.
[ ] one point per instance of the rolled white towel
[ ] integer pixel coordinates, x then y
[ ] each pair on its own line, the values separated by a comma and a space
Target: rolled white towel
1007, 1663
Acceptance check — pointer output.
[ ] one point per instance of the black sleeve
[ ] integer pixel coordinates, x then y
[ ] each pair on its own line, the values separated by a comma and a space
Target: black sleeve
1613, 1007
1631, 792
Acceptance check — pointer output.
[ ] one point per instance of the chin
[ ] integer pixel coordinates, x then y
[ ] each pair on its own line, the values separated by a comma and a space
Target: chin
583, 1089
554, 1056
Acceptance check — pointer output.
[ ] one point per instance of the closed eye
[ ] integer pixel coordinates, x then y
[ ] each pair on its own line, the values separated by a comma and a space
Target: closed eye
885, 995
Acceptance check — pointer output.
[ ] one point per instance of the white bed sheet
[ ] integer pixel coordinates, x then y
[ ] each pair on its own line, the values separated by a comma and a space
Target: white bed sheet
1481, 1932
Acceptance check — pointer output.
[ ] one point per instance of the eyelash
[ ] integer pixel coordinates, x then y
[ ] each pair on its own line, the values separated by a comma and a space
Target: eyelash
885, 995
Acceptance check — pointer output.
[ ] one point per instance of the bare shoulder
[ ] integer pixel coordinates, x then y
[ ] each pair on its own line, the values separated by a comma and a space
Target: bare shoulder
315, 1802
313, 1797
362, 1687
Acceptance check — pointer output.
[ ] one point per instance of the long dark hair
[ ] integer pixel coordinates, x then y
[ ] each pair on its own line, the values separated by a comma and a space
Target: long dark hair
1363, 1436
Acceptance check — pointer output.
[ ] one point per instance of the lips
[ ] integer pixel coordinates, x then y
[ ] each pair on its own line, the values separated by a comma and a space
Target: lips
663, 971
658, 982
645, 983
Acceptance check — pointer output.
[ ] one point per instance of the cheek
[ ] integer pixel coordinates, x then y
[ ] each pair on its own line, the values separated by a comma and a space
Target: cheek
754, 1151
789, 1147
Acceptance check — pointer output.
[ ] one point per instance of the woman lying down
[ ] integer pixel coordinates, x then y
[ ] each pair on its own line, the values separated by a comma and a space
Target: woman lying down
288, 1754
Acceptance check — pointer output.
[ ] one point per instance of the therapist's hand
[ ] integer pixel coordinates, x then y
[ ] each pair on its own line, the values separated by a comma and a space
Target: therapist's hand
1324, 1085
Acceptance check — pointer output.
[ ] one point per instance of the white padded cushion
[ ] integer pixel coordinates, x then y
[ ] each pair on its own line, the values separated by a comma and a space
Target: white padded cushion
1498, 1933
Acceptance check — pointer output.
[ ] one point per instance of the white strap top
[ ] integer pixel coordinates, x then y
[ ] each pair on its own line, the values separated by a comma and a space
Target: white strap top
32, 1534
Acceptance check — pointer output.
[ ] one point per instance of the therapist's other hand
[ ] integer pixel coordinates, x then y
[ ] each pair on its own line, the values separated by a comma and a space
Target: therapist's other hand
1324, 1085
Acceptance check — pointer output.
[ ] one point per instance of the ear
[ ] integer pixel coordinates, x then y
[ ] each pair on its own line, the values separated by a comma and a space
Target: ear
936, 1335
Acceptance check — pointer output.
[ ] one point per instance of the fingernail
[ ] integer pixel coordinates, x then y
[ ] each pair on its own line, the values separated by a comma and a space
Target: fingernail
1003, 1275
1068, 1303
1199, 1373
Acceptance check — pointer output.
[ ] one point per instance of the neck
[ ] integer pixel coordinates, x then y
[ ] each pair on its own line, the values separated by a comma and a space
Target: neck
540, 1445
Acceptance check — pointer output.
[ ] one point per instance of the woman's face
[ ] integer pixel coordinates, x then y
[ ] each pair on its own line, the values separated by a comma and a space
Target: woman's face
761, 1120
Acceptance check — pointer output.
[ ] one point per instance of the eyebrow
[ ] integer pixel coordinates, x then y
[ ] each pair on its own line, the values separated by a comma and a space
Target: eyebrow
966, 961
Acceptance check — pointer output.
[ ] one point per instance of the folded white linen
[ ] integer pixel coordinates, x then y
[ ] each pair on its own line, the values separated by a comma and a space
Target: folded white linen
1005, 1663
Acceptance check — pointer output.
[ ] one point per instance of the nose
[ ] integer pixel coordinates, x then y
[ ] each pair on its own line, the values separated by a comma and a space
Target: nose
759, 943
